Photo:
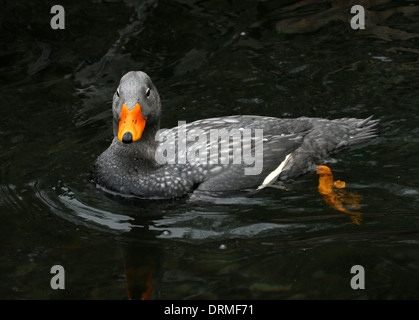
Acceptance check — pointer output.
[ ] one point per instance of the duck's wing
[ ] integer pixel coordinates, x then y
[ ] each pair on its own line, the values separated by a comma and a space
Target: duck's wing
237, 152
258, 170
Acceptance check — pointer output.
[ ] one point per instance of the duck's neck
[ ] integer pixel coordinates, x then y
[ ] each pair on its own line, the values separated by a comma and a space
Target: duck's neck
144, 149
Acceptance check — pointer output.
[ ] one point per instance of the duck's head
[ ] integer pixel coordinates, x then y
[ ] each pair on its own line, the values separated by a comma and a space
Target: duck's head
136, 107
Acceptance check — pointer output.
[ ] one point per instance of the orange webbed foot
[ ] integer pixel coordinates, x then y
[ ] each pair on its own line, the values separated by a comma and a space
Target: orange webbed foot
335, 194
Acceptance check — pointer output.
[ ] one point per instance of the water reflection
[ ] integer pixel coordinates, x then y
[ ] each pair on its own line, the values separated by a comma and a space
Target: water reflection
306, 17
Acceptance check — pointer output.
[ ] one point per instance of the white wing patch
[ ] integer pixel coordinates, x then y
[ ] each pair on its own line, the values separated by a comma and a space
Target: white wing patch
274, 174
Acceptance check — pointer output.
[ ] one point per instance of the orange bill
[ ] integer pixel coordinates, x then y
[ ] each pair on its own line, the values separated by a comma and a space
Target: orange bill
131, 121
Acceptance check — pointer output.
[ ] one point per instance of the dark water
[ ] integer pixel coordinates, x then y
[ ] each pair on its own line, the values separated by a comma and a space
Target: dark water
208, 59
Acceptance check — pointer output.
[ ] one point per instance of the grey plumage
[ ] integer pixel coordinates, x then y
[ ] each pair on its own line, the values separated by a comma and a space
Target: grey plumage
133, 169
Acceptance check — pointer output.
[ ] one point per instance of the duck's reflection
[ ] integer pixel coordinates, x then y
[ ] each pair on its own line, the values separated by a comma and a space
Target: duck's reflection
142, 263
140, 268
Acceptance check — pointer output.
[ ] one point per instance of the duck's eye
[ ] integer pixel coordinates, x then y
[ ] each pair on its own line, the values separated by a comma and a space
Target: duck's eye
117, 92
147, 93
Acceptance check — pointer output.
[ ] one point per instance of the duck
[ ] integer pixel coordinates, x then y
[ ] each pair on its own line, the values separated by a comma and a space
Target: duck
222, 154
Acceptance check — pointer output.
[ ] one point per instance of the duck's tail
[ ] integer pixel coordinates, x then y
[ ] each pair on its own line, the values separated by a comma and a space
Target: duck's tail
359, 130
326, 137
